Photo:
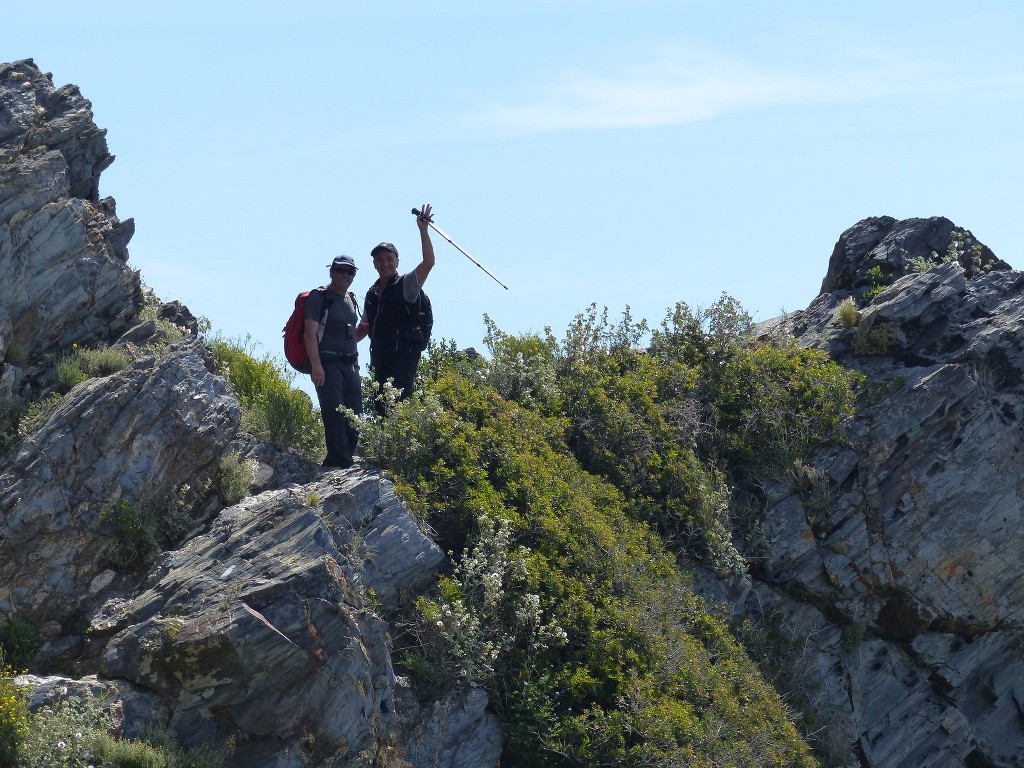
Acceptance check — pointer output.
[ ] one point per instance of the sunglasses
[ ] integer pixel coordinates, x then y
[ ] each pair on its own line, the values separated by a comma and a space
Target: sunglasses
349, 272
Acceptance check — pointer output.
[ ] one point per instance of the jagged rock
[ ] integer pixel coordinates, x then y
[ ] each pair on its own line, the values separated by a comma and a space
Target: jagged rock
138, 435
259, 630
896, 247
63, 251
456, 731
919, 549
263, 627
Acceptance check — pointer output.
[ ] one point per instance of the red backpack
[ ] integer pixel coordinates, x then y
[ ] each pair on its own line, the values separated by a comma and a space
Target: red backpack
294, 346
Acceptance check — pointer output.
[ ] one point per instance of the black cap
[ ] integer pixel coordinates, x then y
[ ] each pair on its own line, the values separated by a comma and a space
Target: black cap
343, 261
384, 247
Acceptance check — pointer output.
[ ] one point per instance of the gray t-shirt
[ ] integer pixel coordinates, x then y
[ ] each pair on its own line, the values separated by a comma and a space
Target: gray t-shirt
342, 318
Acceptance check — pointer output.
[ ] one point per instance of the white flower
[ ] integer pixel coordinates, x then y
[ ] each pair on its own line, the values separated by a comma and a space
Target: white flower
61, 744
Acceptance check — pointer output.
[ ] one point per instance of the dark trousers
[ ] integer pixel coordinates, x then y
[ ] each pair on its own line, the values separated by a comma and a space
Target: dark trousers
341, 387
399, 366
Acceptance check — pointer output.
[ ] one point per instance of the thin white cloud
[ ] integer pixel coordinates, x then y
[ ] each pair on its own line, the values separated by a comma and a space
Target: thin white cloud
677, 86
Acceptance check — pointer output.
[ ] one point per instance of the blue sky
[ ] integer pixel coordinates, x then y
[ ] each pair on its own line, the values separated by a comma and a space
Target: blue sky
640, 152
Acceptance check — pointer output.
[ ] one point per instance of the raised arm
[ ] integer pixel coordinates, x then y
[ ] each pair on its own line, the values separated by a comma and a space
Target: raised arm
427, 264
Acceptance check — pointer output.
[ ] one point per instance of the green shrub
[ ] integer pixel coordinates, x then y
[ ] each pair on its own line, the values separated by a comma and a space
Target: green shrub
271, 408
179, 756
847, 314
63, 733
68, 372
81, 364
877, 281
102, 361
11, 415
235, 478
546, 468
123, 753
35, 413
644, 673
74, 732
134, 532
19, 641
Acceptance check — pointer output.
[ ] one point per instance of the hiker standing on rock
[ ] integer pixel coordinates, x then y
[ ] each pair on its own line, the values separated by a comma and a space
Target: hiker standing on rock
334, 359
393, 314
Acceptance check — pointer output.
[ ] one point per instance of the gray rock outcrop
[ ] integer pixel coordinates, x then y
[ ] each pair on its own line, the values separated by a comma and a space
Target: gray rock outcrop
63, 251
261, 624
138, 436
902, 572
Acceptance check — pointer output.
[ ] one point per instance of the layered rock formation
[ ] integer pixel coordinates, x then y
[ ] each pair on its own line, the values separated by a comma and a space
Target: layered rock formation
264, 627
895, 558
63, 251
899, 560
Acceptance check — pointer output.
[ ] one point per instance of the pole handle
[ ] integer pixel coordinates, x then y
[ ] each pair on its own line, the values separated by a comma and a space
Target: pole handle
416, 212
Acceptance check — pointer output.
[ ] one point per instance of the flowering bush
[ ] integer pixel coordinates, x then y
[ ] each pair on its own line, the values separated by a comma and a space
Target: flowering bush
13, 716
62, 732
484, 615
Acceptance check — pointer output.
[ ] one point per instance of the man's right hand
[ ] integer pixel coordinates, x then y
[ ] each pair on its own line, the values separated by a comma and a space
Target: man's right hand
317, 375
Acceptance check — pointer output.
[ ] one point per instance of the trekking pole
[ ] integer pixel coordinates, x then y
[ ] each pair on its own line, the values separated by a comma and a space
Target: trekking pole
430, 222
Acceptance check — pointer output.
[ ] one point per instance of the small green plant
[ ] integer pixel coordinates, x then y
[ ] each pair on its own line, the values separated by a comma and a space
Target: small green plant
13, 716
235, 478
35, 412
134, 531
178, 756
852, 636
847, 314
813, 487
11, 415
102, 361
15, 354
81, 364
877, 282
173, 627
167, 332
68, 372
870, 392
19, 641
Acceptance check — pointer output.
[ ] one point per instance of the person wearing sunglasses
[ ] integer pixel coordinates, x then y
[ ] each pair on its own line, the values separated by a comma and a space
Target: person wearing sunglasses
330, 335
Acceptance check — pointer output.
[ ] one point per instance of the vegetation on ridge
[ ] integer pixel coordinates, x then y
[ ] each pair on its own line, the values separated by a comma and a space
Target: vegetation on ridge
555, 473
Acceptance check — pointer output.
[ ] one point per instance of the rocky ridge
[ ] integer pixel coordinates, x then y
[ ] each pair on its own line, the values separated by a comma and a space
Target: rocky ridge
263, 626
897, 559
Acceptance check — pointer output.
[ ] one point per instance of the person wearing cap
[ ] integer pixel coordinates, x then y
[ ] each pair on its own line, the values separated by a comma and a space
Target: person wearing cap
390, 357
334, 358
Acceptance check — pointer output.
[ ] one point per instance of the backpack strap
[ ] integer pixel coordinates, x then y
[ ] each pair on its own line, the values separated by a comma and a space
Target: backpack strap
328, 300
